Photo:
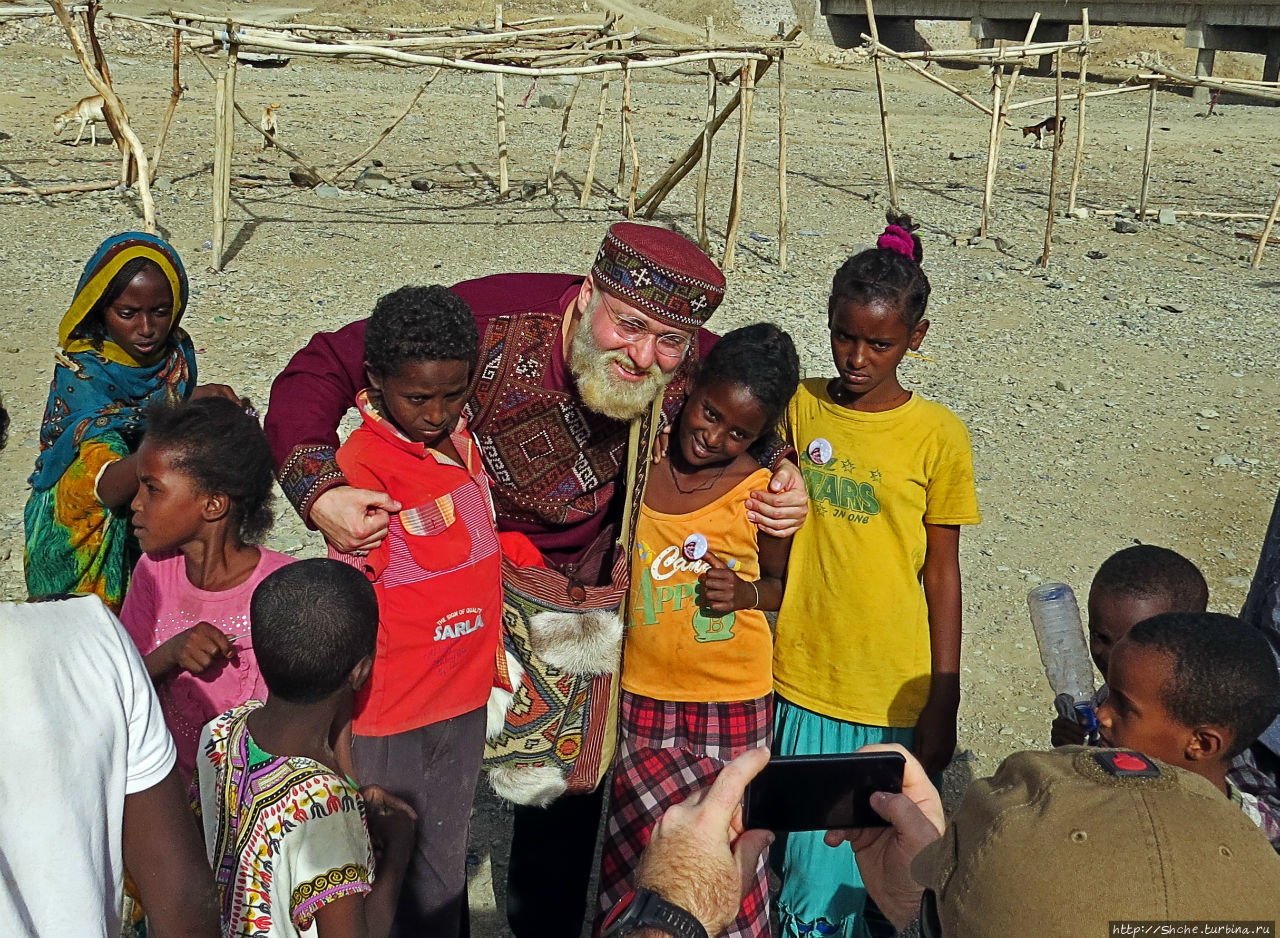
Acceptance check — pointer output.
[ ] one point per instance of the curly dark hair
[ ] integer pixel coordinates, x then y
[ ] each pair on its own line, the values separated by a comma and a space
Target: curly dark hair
311, 623
430, 324
1146, 571
761, 358
885, 275
94, 325
1224, 673
223, 450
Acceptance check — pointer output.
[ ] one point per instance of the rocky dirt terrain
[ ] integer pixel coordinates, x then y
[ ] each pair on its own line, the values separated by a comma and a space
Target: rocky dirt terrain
1127, 392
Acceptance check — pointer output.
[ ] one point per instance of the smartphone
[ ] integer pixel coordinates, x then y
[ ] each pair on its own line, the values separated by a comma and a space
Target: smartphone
819, 793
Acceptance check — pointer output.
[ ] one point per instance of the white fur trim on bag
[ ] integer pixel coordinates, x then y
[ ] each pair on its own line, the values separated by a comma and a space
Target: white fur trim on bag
500, 699
530, 785
585, 643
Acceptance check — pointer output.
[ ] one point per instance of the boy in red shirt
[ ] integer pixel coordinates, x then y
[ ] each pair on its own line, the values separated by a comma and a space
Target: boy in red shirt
419, 723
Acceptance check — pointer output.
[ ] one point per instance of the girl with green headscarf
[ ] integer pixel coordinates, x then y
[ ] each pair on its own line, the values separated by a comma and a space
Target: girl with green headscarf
120, 350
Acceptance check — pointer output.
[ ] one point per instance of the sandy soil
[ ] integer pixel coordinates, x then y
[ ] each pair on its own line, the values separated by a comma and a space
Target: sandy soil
1127, 392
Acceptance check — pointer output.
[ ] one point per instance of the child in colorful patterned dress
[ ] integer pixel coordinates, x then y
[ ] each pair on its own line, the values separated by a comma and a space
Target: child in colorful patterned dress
696, 678
121, 349
868, 636
203, 503
288, 836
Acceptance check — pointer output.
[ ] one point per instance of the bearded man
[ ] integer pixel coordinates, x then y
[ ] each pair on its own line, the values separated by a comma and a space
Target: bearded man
566, 364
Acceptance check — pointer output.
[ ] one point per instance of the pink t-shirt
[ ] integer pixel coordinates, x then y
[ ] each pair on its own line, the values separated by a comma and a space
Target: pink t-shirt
161, 602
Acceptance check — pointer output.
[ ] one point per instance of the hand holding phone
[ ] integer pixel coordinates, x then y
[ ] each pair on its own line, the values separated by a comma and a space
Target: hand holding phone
821, 792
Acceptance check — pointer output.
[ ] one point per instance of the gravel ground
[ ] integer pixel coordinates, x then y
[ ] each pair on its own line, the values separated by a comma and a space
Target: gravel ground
1126, 392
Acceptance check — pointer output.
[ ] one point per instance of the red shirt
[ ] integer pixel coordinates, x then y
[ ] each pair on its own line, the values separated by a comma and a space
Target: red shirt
438, 576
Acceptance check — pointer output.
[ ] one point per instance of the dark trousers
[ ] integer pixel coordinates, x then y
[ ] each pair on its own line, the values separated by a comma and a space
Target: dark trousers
434, 769
552, 854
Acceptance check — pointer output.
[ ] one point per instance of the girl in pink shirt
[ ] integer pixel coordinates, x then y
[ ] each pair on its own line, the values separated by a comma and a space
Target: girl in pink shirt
203, 502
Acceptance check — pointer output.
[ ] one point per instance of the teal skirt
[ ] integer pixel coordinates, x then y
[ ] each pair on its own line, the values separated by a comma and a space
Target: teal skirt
822, 893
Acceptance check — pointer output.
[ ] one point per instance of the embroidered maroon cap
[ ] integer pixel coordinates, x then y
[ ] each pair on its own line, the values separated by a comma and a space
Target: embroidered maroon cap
659, 272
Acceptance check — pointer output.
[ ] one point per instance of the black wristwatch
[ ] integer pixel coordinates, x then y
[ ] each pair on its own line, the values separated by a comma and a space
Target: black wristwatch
647, 909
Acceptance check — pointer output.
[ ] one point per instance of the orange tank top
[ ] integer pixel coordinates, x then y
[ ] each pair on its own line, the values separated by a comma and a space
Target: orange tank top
675, 650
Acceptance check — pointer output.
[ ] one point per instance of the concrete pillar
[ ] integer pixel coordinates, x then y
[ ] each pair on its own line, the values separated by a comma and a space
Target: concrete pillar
1204, 69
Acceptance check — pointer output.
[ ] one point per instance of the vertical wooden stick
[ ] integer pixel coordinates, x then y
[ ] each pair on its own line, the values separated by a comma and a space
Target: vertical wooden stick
175, 94
629, 135
229, 135
1146, 152
1266, 233
748, 73
1080, 103
992, 142
708, 132
782, 158
500, 103
220, 110
1053, 165
1000, 112
564, 138
889, 171
595, 144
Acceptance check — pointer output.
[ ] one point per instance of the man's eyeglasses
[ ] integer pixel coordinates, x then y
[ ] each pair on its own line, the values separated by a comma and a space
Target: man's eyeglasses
669, 344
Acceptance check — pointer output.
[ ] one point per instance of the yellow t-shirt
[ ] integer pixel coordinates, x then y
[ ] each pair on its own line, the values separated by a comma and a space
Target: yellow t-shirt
674, 651
853, 632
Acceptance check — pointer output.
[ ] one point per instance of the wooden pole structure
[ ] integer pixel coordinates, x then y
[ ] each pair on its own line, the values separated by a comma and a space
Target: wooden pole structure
687, 160
1146, 152
782, 158
595, 144
1081, 97
564, 138
998, 120
890, 174
708, 133
500, 103
175, 94
1266, 232
992, 140
390, 127
128, 140
220, 109
748, 78
1053, 165
629, 136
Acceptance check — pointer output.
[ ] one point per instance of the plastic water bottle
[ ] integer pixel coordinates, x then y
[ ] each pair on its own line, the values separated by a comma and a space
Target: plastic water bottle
1055, 616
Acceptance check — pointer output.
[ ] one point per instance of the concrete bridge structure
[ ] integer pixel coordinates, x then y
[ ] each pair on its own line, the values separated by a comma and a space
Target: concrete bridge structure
1223, 25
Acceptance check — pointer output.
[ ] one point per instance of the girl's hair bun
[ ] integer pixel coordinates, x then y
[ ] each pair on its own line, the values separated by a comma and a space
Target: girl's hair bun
898, 237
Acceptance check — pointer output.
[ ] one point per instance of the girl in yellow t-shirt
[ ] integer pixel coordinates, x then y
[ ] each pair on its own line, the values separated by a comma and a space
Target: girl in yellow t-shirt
868, 636
697, 679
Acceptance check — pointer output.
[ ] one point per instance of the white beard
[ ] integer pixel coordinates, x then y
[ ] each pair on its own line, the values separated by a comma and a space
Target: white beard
601, 389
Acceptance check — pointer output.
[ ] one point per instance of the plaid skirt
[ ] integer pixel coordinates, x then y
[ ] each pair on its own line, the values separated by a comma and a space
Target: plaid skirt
667, 752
